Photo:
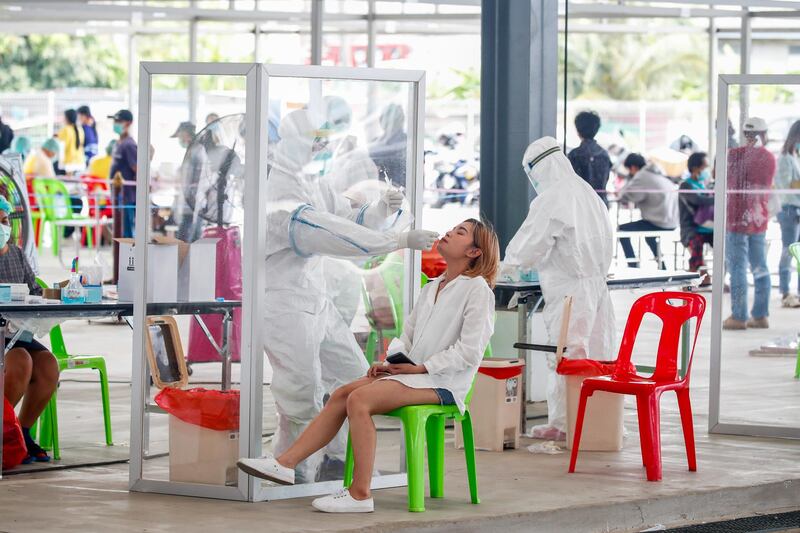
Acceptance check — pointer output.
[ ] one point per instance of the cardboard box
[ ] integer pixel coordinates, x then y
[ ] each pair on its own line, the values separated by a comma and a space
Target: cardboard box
162, 271
201, 455
197, 274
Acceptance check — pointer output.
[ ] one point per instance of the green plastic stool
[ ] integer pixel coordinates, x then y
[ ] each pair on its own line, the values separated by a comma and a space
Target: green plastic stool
424, 425
794, 249
48, 426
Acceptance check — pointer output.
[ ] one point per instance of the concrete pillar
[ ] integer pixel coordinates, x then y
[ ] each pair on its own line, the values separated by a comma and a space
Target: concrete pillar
519, 69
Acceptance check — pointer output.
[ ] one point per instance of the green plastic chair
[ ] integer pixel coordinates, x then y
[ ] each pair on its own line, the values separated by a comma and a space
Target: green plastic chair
56, 211
794, 249
48, 426
423, 426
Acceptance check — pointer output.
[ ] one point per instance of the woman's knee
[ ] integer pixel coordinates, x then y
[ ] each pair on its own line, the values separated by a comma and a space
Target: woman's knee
357, 403
45, 367
19, 365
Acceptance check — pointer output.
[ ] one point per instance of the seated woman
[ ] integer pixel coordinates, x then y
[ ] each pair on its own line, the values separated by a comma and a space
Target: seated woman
31, 371
446, 335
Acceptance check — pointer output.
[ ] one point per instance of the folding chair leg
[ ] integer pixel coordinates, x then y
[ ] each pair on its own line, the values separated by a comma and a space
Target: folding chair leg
415, 460
54, 426
435, 437
576, 440
106, 404
469, 453
349, 464
685, 406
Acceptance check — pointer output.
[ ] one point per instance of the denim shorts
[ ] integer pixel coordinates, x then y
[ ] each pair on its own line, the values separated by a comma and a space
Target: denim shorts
445, 397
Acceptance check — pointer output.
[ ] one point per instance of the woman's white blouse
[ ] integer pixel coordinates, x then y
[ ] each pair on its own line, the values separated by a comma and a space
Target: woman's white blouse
448, 335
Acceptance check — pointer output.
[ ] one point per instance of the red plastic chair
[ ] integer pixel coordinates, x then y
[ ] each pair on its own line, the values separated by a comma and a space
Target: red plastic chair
666, 377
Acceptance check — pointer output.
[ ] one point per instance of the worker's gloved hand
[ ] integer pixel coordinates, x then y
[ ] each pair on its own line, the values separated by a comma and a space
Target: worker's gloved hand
509, 272
390, 202
417, 239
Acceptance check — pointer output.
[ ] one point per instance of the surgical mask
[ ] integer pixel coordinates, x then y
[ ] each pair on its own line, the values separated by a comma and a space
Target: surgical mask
534, 182
797, 148
705, 175
118, 128
184, 144
5, 234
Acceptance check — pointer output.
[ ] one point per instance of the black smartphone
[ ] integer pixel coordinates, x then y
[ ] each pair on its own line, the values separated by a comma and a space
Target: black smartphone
400, 359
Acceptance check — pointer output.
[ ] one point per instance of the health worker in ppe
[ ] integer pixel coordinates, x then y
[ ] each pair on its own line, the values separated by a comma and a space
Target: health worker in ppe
309, 345
349, 163
568, 238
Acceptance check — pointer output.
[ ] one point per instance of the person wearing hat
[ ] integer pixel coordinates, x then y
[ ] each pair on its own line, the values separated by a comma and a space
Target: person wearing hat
194, 162
31, 370
6, 136
124, 163
750, 167
39, 163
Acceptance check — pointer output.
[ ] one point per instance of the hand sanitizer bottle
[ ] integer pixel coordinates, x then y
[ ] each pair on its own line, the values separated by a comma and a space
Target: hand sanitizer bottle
73, 293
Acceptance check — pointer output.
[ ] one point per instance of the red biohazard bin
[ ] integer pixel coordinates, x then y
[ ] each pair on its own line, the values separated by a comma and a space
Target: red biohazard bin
495, 406
603, 422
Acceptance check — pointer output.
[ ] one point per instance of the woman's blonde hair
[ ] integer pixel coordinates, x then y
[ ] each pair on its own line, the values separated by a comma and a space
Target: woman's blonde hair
485, 239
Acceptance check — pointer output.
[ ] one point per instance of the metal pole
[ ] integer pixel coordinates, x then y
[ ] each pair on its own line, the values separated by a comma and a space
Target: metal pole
745, 45
131, 70
372, 34
317, 11
712, 83
193, 79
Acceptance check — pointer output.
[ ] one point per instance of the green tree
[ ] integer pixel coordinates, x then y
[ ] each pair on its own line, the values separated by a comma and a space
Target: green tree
635, 66
41, 62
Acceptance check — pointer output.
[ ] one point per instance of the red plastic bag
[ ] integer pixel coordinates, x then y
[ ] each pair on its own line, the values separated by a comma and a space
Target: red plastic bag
587, 367
211, 409
14, 449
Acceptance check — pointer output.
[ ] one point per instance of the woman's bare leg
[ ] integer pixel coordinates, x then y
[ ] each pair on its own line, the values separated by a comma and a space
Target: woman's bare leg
44, 381
374, 399
18, 370
324, 427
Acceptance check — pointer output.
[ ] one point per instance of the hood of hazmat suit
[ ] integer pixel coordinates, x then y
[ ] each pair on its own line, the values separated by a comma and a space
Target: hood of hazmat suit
309, 345
569, 239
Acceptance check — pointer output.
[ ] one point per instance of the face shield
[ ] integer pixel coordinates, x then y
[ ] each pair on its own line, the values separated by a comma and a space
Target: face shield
532, 161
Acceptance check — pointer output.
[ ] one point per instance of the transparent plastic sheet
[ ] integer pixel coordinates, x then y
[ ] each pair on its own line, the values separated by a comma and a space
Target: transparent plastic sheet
211, 409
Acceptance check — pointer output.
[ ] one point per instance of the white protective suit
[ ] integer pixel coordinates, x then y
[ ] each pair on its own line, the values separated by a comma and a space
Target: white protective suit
349, 164
569, 239
310, 347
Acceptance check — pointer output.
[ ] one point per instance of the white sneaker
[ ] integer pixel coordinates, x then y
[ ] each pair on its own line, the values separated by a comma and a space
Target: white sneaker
267, 468
342, 502
790, 300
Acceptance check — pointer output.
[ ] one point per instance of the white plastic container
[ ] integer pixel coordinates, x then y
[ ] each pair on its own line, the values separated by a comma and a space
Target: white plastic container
201, 455
496, 405
602, 423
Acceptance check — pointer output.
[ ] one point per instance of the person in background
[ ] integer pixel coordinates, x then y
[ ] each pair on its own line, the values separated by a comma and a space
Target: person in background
22, 146
39, 163
697, 230
655, 196
124, 163
732, 142
750, 167
211, 117
389, 150
788, 177
194, 163
31, 370
100, 165
71, 136
589, 160
91, 143
6, 136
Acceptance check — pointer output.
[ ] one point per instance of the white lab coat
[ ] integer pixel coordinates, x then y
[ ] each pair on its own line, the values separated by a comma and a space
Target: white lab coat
448, 335
569, 239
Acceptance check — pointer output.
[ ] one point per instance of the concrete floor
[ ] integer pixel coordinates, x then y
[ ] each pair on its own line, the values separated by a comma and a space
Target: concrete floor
520, 491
